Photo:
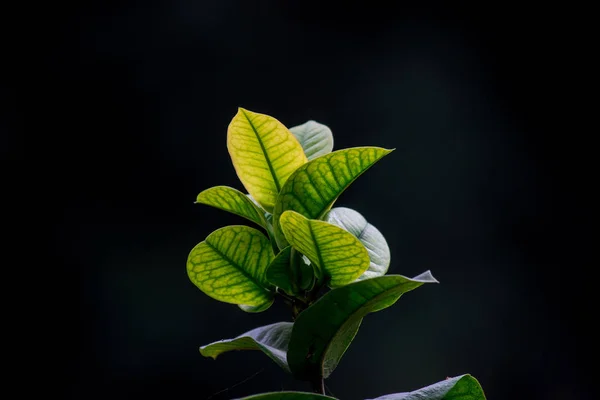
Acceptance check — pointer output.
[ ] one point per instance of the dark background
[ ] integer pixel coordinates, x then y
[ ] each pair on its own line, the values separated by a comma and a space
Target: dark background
484, 189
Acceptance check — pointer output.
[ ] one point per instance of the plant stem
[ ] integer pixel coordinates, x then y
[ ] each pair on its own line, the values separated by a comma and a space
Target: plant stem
297, 304
319, 385
285, 296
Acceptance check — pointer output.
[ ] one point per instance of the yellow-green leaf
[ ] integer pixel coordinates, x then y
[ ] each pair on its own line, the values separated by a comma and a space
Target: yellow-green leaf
335, 252
264, 154
369, 236
256, 309
230, 266
234, 201
313, 188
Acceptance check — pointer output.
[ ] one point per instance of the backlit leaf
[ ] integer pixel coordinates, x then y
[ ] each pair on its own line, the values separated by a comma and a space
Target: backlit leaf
313, 188
256, 309
230, 266
234, 201
264, 154
335, 252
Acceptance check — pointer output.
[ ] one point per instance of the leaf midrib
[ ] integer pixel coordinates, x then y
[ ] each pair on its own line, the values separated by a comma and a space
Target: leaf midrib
264, 150
345, 186
250, 277
259, 217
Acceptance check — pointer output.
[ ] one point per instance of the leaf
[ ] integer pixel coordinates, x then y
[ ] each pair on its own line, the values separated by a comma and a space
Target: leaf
264, 154
369, 236
234, 201
287, 396
230, 266
280, 273
268, 218
323, 331
307, 281
289, 272
463, 387
316, 139
256, 309
271, 339
336, 253
313, 188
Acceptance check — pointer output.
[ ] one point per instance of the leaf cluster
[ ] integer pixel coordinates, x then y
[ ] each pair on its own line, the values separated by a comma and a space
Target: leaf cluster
327, 263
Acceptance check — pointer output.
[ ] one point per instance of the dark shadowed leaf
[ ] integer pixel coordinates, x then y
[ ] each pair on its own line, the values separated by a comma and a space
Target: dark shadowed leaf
280, 272
323, 331
289, 272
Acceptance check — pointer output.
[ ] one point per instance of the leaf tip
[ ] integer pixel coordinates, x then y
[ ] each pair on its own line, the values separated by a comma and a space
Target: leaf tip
426, 277
206, 354
241, 113
244, 111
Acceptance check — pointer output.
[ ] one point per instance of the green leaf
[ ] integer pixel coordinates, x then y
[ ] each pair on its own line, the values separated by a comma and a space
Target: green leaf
264, 154
323, 331
287, 396
280, 273
230, 266
463, 387
289, 272
307, 275
335, 252
234, 201
271, 233
268, 218
369, 236
271, 339
316, 139
313, 188
256, 309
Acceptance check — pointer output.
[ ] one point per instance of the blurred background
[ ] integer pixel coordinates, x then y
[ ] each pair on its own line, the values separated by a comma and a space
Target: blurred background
479, 190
